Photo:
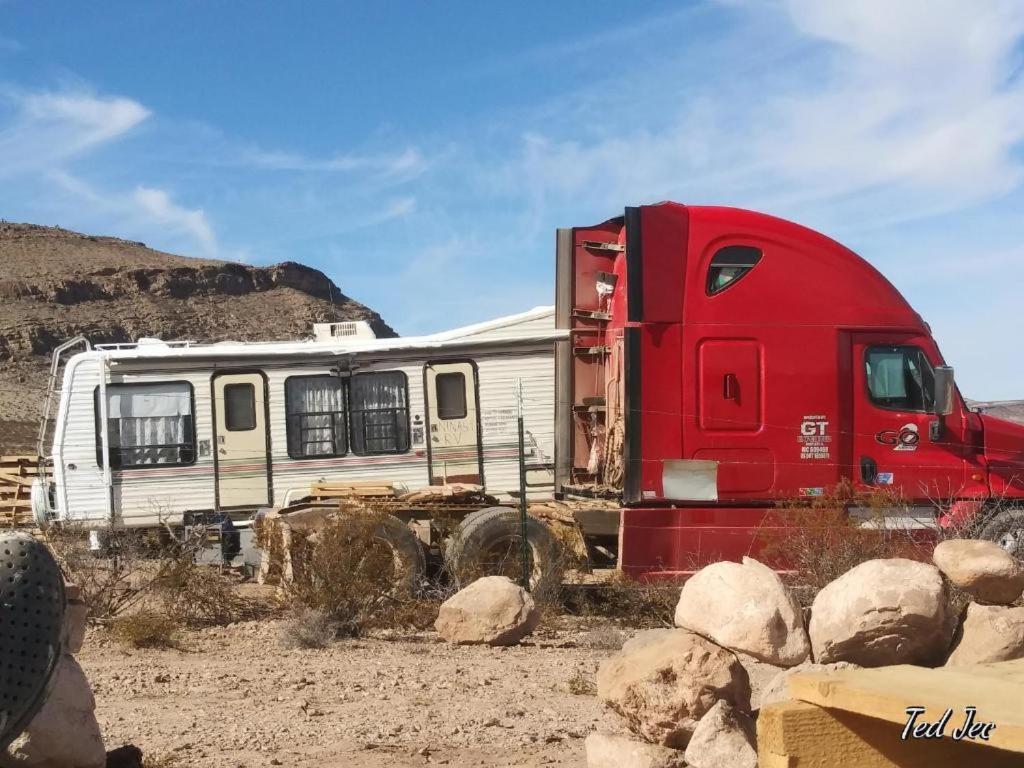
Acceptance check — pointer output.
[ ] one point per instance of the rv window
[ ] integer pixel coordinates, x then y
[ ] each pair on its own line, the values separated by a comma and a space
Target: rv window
451, 395
379, 410
147, 424
315, 410
239, 407
729, 264
899, 378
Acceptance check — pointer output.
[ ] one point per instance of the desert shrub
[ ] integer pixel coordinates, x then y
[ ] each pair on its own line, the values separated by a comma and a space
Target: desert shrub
581, 685
603, 639
146, 629
630, 602
817, 541
308, 628
151, 569
348, 574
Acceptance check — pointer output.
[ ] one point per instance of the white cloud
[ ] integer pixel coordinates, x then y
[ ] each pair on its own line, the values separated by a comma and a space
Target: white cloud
143, 212
899, 110
407, 163
46, 130
158, 205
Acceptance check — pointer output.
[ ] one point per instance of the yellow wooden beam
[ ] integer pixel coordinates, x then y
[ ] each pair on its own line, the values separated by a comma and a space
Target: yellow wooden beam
795, 734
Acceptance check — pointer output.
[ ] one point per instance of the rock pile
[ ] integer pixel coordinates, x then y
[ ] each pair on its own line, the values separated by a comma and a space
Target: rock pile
690, 696
64, 733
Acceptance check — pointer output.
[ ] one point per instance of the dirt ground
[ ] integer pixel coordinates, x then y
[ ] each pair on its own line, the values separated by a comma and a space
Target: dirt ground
233, 697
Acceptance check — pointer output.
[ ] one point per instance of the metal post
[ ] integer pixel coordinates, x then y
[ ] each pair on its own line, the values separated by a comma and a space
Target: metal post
524, 544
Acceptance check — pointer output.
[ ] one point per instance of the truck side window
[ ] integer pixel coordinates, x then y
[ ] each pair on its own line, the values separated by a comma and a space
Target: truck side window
729, 264
899, 378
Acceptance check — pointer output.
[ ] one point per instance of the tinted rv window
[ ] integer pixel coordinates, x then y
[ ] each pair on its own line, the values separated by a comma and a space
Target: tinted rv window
451, 395
239, 407
379, 410
147, 424
899, 378
729, 264
315, 410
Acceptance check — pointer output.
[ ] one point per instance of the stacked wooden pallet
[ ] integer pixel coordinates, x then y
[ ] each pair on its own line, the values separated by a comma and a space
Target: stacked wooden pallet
17, 474
352, 489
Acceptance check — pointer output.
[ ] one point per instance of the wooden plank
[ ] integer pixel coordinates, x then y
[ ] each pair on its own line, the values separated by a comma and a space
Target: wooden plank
795, 734
15, 479
997, 690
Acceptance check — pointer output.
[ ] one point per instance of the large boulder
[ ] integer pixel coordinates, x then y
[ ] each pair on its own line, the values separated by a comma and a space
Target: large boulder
883, 612
989, 633
491, 610
777, 689
64, 733
982, 569
608, 751
665, 687
745, 607
724, 738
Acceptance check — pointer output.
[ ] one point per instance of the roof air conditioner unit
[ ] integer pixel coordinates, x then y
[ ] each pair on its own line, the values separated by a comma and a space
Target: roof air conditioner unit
346, 331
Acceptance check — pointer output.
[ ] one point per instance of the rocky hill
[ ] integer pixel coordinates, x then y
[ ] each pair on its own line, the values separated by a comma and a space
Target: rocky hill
56, 284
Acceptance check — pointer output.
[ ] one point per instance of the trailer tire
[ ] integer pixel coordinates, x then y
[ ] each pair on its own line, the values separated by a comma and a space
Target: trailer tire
410, 561
488, 541
1005, 528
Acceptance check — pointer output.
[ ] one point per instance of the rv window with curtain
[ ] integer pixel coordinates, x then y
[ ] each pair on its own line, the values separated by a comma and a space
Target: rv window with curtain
147, 425
379, 410
315, 411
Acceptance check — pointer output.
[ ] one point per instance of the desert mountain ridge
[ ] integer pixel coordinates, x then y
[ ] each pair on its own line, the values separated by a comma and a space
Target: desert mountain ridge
56, 284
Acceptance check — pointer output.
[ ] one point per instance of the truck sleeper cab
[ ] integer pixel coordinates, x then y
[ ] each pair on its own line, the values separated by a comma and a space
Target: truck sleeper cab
721, 361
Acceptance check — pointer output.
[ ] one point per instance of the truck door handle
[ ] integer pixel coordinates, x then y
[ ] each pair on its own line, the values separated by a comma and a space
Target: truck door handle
730, 387
868, 470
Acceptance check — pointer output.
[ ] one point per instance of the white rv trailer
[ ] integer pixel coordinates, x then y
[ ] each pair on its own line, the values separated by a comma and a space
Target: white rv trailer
232, 427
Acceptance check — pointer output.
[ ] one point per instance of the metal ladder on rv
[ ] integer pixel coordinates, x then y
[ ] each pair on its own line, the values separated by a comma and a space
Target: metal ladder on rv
54, 387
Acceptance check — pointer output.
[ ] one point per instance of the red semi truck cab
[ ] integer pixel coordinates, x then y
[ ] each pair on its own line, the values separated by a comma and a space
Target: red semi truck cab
723, 361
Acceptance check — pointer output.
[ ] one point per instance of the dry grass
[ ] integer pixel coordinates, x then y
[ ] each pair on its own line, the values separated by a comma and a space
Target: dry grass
626, 601
582, 685
818, 541
146, 629
151, 570
308, 628
349, 576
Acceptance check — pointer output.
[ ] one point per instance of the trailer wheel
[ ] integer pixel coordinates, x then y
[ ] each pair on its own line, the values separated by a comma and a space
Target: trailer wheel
488, 543
1006, 529
406, 551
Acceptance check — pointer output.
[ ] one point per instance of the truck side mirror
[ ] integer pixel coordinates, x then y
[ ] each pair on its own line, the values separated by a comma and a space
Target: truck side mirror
944, 388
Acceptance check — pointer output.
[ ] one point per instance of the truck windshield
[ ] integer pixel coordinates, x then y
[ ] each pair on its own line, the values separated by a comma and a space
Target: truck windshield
899, 378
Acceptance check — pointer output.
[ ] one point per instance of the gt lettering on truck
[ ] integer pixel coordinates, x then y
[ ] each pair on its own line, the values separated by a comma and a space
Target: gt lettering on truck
815, 438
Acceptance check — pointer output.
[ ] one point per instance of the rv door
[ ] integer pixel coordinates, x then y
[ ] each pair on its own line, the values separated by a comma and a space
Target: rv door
242, 456
454, 450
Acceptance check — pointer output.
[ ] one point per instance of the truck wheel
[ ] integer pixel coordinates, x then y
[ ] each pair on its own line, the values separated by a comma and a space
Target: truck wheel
406, 553
1006, 529
488, 543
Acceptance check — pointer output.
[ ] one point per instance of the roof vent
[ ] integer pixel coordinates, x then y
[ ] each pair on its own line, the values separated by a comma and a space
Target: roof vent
347, 331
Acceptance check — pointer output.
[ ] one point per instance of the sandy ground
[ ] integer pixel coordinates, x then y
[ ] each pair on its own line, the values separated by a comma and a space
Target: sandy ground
233, 697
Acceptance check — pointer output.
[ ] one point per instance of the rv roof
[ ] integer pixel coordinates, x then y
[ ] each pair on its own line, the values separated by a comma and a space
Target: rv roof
536, 324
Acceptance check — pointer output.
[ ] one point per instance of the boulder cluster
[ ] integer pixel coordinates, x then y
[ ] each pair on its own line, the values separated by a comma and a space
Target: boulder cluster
691, 695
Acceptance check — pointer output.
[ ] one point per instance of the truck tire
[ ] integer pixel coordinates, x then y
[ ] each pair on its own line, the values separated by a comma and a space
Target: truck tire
410, 562
488, 541
1005, 528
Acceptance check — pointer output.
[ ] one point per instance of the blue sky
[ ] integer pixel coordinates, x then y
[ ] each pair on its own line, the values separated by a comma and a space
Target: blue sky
423, 154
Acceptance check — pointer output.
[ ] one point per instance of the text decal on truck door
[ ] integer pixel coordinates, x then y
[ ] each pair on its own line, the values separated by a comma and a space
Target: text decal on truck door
814, 438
